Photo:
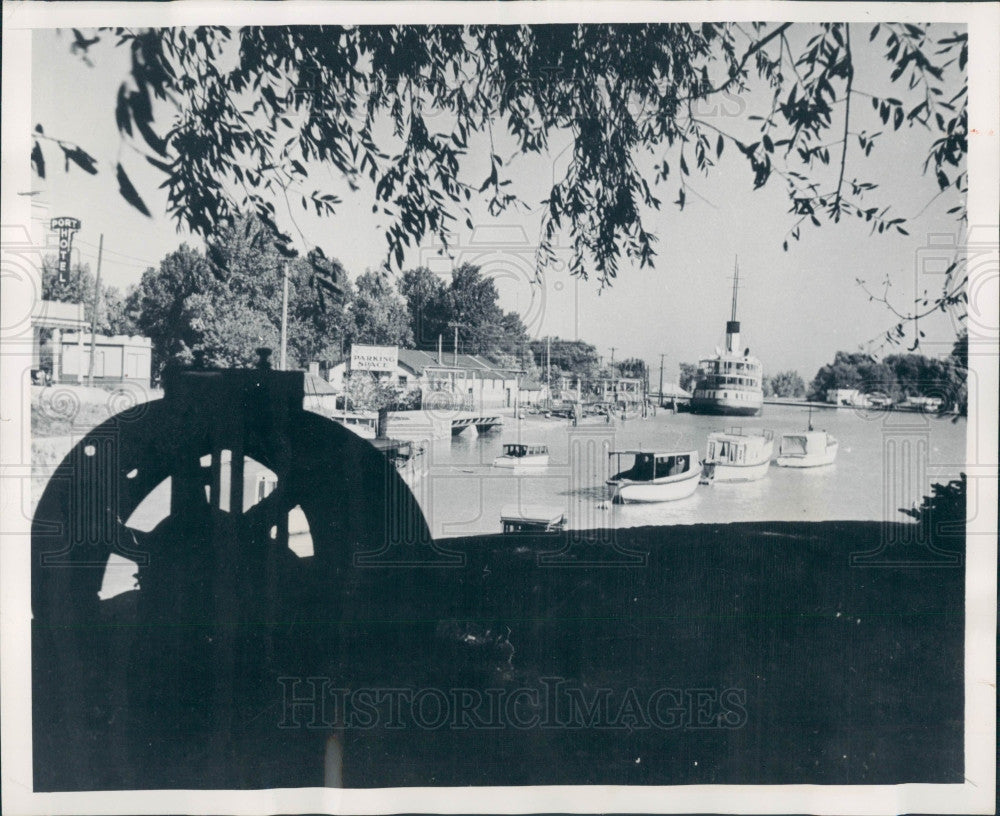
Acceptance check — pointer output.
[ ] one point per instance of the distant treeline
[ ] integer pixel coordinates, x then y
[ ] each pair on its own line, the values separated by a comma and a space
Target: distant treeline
225, 301
897, 377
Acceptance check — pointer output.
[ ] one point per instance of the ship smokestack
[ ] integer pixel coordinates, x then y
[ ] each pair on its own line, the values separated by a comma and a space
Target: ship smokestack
733, 336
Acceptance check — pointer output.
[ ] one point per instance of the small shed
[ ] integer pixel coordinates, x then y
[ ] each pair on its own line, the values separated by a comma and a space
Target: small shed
118, 358
320, 397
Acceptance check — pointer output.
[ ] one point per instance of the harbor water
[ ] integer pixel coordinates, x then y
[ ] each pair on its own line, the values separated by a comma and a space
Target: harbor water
886, 461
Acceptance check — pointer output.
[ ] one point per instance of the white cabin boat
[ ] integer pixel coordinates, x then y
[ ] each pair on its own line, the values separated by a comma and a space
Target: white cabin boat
806, 449
654, 476
523, 455
737, 455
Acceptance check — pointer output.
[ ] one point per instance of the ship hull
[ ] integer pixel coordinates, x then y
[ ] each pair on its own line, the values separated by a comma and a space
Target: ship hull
630, 492
725, 407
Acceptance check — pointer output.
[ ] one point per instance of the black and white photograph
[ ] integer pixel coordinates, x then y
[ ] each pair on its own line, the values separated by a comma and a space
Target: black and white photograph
499, 407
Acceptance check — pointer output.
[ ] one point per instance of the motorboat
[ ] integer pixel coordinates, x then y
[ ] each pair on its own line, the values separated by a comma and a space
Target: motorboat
523, 455
655, 476
806, 449
737, 455
532, 518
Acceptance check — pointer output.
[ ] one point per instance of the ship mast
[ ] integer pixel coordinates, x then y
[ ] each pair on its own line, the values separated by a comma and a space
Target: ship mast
733, 326
736, 286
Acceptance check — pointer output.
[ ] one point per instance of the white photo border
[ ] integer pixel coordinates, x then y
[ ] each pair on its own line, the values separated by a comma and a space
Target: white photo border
976, 795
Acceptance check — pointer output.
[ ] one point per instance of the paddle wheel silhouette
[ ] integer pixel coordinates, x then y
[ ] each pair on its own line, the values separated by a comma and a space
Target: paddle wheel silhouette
173, 684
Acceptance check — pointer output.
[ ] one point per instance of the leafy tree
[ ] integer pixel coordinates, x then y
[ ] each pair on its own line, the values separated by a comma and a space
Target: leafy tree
633, 367
571, 358
944, 513
160, 304
426, 300
688, 377
226, 302
472, 305
399, 106
79, 288
854, 370
898, 376
959, 375
227, 329
317, 326
365, 391
919, 376
376, 314
785, 384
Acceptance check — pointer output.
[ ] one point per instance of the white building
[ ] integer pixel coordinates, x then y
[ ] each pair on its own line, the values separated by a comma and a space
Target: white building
847, 396
452, 381
116, 359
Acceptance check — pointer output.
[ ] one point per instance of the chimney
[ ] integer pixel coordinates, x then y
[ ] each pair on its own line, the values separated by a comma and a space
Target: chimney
733, 336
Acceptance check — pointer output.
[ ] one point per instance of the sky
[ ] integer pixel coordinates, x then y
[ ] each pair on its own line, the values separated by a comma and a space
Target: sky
797, 308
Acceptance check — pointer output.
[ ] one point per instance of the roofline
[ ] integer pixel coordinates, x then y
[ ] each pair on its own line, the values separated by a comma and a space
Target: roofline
653, 452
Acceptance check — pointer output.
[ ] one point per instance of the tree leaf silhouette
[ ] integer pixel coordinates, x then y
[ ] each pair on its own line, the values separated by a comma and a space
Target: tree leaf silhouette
81, 158
38, 160
129, 193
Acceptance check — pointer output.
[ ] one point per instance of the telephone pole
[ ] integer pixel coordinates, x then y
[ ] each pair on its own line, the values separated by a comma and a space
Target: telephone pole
284, 317
661, 378
93, 314
548, 367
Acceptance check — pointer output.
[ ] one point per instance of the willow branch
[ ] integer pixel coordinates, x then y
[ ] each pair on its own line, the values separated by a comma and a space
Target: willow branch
753, 49
847, 107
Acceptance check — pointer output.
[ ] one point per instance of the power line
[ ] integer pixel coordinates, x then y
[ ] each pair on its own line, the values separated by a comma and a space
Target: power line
121, 254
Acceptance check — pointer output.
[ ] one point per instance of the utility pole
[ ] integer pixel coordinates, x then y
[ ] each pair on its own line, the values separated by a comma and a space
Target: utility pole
548, 366
284, 317
614, 389
456, 346
661, 378
93, 314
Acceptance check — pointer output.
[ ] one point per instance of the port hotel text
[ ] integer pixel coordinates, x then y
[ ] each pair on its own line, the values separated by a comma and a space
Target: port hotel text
313, 702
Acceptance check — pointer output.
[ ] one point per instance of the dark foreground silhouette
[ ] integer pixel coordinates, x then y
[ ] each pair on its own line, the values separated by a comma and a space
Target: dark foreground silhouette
770, 653
769, 660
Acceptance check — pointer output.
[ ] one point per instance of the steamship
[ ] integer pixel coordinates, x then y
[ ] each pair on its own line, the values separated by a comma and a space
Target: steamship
729, 383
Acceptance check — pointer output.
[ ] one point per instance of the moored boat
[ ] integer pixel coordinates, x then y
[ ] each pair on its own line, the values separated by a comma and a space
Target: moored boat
737, 455
404, 454
654, 476
532, 518
523, 455
731, 382
806, 449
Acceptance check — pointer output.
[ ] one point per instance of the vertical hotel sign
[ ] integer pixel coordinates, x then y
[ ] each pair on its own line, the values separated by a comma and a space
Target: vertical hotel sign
64, 227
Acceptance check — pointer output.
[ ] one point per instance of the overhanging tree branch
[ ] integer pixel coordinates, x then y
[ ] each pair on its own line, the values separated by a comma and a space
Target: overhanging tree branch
847, 113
